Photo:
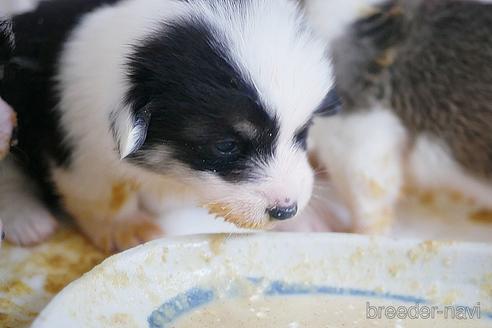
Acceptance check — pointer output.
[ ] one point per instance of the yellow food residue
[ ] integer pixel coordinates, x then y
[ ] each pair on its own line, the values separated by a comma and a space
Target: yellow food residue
483, 216
424, 251
31, 277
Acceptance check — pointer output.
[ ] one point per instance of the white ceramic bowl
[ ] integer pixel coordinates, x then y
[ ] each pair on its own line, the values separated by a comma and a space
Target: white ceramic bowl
157, 284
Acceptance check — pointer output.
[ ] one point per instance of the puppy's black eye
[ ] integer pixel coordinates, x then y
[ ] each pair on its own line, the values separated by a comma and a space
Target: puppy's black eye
227, 148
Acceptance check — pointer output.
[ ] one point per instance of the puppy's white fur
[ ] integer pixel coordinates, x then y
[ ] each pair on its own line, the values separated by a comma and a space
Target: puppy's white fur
11, 7
431, 166
363, 153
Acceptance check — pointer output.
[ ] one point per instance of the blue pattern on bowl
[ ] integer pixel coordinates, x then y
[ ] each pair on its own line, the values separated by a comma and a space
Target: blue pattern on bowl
180, 305
184, 303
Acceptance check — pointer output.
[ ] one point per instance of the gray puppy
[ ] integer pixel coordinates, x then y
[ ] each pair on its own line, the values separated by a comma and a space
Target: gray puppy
415, 78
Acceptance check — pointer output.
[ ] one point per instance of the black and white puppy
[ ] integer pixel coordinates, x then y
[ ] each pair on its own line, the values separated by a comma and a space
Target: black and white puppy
123, 104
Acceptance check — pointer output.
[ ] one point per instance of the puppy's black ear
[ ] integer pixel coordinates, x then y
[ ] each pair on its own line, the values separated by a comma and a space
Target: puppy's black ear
331, 105
138, 132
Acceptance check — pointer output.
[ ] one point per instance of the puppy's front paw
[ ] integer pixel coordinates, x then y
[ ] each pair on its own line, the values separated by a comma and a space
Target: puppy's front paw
29, 226
123, 234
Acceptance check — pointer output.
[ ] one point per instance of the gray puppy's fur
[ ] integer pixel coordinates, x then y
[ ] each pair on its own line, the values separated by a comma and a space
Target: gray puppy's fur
415, 78
431, 62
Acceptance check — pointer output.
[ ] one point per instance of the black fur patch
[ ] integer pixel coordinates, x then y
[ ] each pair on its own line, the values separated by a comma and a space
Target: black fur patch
28, 83
197, 99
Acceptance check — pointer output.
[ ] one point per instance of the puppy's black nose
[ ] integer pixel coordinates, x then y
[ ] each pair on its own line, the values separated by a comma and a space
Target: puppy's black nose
283, 212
